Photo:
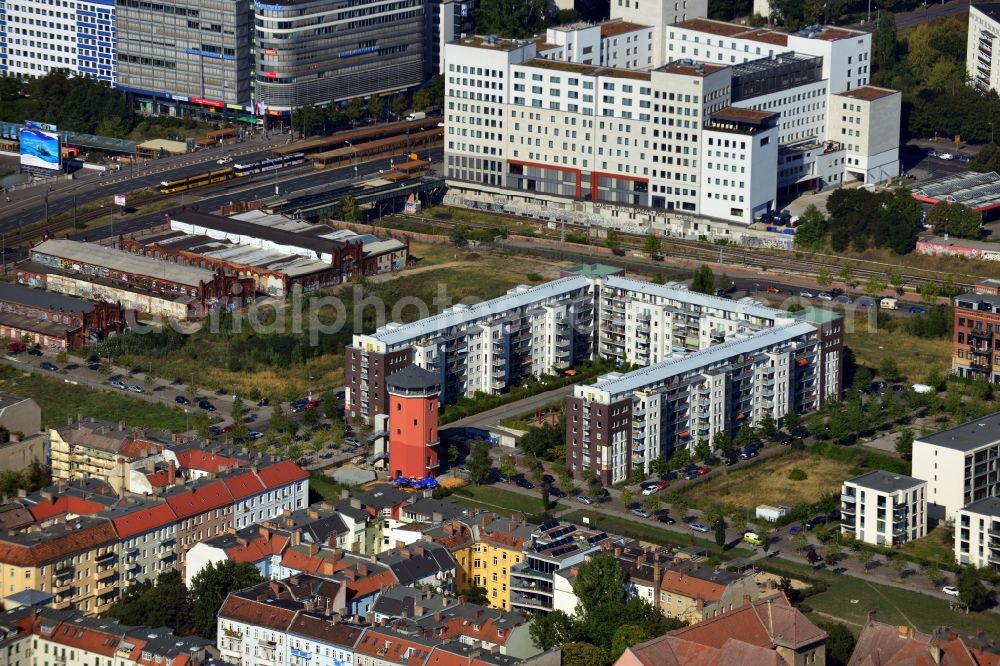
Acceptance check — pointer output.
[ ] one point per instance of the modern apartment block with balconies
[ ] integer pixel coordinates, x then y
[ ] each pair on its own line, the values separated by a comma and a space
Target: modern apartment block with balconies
975, 351
977, 534
982, 67
884, 508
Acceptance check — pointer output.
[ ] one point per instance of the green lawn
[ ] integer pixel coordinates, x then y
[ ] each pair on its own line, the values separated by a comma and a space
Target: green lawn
648, 531
849, 599
934, 547
502, 501
323, 488
61, 400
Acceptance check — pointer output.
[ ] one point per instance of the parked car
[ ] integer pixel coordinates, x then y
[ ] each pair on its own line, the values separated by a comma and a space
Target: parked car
691, 475
651, 489
642, 513
807, 294
918, 309
263, 402
522, 482
773, 290
794, 529
557, 492
662, 485
843, 299
950, 590
500, 476
698, 527
254, 434
135, 388
703, 470
824, 296
352, 441
48, 366
814, 521
583, 499
464, 469
35, 351
750, 451
666, 519
206, 405
731, 458
94, 366
119, 384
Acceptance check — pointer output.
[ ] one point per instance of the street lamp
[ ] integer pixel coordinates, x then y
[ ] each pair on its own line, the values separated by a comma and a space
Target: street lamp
354, 159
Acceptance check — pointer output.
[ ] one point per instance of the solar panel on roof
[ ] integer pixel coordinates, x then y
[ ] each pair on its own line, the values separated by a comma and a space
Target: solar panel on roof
544, 527
597, 537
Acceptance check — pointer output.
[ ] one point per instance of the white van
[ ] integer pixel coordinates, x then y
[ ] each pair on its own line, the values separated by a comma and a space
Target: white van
889, 303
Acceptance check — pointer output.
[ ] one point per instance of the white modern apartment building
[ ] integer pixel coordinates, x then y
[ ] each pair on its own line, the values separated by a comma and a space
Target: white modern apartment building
982, 61
884, 508
538, 127
961, 465
977, 534
42, 36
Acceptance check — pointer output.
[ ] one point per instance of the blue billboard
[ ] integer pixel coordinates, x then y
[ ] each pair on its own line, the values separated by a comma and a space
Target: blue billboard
40, 147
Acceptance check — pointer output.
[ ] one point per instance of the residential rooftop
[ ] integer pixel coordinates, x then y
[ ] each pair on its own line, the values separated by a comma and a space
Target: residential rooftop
885, 482
988, 506
968, 436
868, 93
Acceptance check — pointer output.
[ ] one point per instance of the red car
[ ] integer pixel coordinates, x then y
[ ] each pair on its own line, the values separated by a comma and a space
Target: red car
311, 404
703, 470
661, 485
226, 428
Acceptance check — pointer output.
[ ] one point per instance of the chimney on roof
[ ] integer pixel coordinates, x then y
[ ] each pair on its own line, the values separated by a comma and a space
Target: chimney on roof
363, 570
313, 514
21, 492
618, 551
770, 618
264, 532
420, 550
172, 473
327, 568
870, 617
345, 493
121, 426
405, 554
935, 651
437, 616
355, 503
313, 547
46, 494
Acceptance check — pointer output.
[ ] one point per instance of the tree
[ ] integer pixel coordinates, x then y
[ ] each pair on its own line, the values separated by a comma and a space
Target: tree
933, 573
583, 654
799, 540
680, 458
954, 219
309, 119
329, 404
702, 450
552, 630
875, 286
970, 589
888, 369
279, 420
202, 424
479, 461
625, 495
613, 241
477, 595
791, 420
899, 566
349, 210
839, 639
767, 425
376, 106
510, 18
824, 278
987, 159
866, 557
353, 109
704, 280
240, 430
812, 229
422, 99
211, 587
507, 467
720, 532
846, 274
165, 604
625, 637
398, 105
929, 292
896, 282
884, 42
652, 245
833, 552
904, 443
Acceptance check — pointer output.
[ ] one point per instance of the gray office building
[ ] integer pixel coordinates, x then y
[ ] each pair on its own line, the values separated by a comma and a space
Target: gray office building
190, 52
323, 51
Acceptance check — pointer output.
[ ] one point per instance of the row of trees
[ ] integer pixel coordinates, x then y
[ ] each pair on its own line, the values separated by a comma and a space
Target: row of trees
75, 104
310, 119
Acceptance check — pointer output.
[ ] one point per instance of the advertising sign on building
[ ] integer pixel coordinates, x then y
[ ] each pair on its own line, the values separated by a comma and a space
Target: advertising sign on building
40, 147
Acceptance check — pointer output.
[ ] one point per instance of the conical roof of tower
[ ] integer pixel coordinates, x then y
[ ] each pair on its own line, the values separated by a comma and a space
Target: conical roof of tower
413, 378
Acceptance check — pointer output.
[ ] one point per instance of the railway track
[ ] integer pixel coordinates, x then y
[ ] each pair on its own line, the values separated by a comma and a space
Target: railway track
770, 260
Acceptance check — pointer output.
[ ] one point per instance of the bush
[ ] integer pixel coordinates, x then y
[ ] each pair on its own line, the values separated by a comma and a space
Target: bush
797, 475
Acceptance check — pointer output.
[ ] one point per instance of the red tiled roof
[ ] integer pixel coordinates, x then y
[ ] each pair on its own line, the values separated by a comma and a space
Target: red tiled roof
763, 622
281, 474
65, 504
144, 520
199, 499
374, 642
257, 549
881, 644
139, 448
159, 479
696, 588
256, 613
488, 630
868, 93
53, 549
85, 638
205, 461
243, 485
362, 587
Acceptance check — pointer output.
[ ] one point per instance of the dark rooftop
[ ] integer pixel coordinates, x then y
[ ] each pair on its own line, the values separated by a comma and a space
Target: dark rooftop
38, 298
241, 227
989, 506
967, 436
412, 377
886, 482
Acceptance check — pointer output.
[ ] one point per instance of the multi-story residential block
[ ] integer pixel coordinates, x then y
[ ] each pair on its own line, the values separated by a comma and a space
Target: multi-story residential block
92, 449
982, 62
483, 347
26, 442
315, 53
80, 38
884, 508
33, 636
961, 465
322, 641
626, 421
977, 534
552, 547
499, 547
147, 534
696, 592
382, 646
976, 343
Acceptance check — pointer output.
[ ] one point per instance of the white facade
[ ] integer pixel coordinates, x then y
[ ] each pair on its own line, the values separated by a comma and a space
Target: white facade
866, 122
43, 36
740, 151
982, 58
251, 645
884, 508
977, 534
270, 503
960, 465
659, 14
143, 557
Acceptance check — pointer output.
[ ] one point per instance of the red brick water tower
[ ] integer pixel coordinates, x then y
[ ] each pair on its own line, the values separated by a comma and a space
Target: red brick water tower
413, 422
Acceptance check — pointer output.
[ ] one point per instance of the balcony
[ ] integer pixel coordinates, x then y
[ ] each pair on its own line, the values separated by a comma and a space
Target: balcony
530, 602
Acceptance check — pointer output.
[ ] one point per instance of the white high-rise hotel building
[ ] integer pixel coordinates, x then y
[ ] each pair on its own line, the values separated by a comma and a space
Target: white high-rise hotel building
699, 117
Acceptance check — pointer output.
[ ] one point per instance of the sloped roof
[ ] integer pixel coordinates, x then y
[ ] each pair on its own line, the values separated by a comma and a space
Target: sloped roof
243, 484
414, 378
281, 474
257, 613
199, 498
326, 631
37, 548
681, 582
764, 622
144, 518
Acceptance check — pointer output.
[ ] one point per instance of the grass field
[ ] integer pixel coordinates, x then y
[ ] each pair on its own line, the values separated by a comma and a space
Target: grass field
502, 501
61, 401
768, 482
919, 354
323, 488
849, 599
935, 547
